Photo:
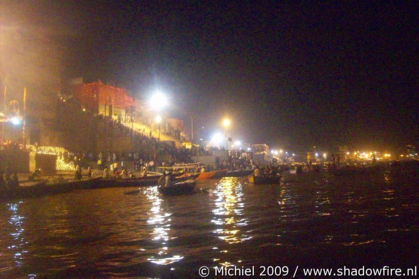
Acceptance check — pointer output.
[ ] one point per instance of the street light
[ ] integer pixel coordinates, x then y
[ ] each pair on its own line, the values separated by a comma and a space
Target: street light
16, 121
226, 123
158, 120
217, 139
158, 101
237, 143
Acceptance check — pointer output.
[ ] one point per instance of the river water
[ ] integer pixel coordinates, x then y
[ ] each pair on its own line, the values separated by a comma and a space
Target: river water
310, 220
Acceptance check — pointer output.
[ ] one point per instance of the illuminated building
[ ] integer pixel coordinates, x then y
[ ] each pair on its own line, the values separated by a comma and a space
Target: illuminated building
105, 99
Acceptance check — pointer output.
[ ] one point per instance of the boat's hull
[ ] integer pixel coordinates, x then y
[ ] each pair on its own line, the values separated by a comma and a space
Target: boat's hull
206, 175
179, 188
238, 173
264, 180
126, 182
219, 174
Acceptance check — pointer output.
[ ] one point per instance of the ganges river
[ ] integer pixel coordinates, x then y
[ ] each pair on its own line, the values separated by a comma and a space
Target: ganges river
309, 220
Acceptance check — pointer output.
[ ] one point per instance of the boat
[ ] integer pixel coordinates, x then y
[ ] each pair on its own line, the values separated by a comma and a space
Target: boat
206, 175
186, 176
264, 179
238, 173
219, 174
126, 182
178, 188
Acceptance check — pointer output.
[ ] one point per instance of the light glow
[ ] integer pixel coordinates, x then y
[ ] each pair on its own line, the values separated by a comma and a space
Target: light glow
237, 143
226, 123
217, 139
158, 119
16, 121
158, 101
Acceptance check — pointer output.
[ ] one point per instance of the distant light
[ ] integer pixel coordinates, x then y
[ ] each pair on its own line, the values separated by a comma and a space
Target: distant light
84, 109
217, 139
201, 139
293, 154
316, 154
347, 153
237, 143
226, 122
324, 155
16, 121
249, 149
158, 119
286, 152
158, 101
281, 151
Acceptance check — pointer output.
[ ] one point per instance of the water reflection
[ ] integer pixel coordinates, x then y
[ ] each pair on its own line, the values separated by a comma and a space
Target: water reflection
160, 220
228, 212
18, 242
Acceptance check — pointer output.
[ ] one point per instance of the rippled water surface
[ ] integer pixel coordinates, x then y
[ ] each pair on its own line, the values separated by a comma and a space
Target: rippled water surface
309, 220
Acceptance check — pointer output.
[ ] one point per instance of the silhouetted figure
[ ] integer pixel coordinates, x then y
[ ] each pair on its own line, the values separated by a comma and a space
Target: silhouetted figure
89, 172
14, 182
2, 182
77, 174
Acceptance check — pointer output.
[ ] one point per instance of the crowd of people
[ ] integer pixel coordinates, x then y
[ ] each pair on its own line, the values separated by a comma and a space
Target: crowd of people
267, 171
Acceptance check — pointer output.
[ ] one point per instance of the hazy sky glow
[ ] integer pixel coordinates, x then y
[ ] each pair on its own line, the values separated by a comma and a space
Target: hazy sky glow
287, 74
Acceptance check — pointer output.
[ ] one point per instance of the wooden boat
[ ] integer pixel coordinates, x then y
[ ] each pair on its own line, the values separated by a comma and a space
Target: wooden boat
178, 188
264, 179
238, 173
186, 176
126, 182
206, 175
219, 174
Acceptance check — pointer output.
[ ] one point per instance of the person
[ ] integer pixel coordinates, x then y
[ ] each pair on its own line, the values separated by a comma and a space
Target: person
89, 172
105, 172
256, 172
14, 181
2, 182
162, 179
77, 174
124, 173
116, 173
168, 180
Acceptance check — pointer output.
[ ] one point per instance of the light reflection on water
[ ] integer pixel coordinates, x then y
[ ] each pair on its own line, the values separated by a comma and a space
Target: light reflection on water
161, 222
228, 212
106, 233
18, 244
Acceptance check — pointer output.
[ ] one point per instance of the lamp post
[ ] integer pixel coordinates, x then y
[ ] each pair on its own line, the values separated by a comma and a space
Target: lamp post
158, 120
226, 122
158, 102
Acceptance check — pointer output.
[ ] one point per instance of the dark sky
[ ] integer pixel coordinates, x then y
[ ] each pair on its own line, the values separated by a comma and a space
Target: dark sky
292, 75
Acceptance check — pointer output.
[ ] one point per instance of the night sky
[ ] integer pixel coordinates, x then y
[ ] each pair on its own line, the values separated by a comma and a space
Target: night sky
291, 75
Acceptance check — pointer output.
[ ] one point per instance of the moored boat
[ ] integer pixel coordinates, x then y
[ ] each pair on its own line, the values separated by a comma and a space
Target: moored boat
206, 175
126, 182
186, 176
238, 173
178, 188
219, 174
